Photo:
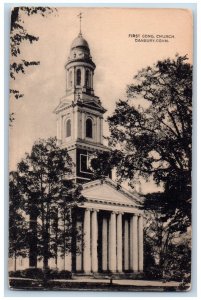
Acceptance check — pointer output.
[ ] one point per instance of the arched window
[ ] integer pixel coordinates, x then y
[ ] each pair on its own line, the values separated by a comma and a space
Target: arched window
68, 128
87, 78
78, 80
70, 82
89, 128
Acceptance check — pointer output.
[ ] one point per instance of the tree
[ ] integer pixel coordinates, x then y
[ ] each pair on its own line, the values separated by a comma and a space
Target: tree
19, 34
151, 138
151, 131
47, 198
167, 243
17, 224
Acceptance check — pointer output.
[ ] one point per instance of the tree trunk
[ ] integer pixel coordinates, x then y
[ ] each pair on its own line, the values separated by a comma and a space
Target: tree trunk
46, 241
46, 248
56, 239
33, 238
73, 240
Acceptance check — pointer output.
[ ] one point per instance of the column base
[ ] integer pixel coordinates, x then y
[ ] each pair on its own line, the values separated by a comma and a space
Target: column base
109, 275
83, 275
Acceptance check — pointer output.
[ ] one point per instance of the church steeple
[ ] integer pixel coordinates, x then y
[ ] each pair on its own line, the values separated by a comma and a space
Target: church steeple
80, 112
79, 67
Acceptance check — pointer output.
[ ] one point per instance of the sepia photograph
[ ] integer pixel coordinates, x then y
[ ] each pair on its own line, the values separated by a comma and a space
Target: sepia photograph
100, 149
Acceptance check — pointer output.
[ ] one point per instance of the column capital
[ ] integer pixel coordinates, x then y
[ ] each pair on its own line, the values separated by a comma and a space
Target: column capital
120, 212
88, 209
95, 209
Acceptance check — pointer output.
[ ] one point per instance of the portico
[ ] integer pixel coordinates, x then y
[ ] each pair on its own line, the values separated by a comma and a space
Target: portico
110, 230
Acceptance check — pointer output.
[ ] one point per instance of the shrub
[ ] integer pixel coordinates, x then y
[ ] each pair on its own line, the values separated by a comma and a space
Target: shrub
34, 273
64, 275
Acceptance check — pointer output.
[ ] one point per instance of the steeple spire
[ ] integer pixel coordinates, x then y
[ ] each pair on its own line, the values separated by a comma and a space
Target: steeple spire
80, 17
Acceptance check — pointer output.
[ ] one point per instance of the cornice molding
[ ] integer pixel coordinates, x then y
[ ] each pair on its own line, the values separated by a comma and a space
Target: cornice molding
136, 198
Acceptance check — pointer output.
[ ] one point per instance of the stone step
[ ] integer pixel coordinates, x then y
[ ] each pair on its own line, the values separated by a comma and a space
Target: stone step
108, 276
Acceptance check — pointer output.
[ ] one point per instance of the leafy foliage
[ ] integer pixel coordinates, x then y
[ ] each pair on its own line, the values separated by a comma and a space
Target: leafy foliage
156, 138
151, 131
18, 35
47, 198
151, 138
167, 241
17, 242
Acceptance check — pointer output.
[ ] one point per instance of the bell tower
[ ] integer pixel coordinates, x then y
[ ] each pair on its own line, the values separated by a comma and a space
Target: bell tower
80, 112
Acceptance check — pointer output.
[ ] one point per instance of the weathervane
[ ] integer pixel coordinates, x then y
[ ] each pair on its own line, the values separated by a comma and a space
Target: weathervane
80, 16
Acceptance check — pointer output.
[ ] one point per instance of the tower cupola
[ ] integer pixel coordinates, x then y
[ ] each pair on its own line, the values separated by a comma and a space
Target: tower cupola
80, 68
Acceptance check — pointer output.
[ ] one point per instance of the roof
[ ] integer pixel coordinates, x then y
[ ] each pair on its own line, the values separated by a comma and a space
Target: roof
109, 195
79, 42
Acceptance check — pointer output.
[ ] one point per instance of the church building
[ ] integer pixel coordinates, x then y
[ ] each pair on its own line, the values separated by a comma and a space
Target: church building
110, 220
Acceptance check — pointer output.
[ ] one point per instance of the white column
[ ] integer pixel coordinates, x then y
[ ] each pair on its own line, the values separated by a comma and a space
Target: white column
101, 130
79, 245
79, 123
135, 244
68, 262
119, 242
73, 78
131, 243
60, 127
72, 125
57, 127
63, 129
104, 245
141, 238
112, 243
83, 125
75, 125
91, 80
94, 245
126, 244
82, 77
87, 239
96, 129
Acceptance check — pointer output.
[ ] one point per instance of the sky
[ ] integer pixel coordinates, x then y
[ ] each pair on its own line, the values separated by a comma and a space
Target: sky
117, 57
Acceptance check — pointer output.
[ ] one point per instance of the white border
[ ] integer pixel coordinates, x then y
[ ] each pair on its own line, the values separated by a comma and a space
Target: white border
4, 159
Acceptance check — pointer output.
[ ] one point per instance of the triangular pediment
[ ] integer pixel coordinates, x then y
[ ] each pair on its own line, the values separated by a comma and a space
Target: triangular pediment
93, 104
62, 105
107, 191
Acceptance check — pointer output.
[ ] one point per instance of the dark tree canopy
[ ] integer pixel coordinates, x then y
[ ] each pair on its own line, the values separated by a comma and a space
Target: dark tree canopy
151, 138
156, 139
18, 35
43, 193
151, 130
18, 243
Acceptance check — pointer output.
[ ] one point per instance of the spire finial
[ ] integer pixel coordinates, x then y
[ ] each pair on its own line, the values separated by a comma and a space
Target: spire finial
80, 16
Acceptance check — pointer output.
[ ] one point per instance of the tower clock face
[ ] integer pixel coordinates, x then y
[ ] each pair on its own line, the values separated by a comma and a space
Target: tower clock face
93, 163
84, 163
88, 163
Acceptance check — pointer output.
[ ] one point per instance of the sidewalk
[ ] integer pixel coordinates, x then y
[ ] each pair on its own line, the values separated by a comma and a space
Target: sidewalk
122, 282
97, 284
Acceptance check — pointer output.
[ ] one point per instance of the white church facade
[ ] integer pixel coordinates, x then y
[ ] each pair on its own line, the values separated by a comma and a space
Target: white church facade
110, 220
112, 231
